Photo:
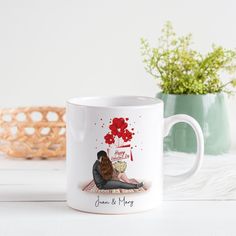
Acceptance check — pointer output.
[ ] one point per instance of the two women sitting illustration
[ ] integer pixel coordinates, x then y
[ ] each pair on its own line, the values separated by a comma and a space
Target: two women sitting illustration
108, 177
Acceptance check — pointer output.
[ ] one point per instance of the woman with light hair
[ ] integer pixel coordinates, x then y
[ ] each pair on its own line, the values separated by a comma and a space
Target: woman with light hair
119, 172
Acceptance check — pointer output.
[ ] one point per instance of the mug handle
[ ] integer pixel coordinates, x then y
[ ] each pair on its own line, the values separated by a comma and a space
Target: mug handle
168, 123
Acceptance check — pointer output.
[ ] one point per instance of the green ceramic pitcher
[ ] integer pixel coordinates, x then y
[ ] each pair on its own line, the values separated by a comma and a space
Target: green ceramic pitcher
209, 110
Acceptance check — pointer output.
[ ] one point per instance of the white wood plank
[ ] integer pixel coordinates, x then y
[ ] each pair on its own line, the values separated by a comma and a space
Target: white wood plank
32, 177
216, 180
9, 163
173, 218
38, 192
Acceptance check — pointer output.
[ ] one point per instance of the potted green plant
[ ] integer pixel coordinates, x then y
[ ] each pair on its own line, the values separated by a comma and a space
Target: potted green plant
191, 84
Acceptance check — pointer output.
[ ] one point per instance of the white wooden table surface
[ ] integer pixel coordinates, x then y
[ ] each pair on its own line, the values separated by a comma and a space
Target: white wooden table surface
32, 202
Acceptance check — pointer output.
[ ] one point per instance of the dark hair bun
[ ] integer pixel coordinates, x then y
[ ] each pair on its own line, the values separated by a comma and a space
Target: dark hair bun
101, 154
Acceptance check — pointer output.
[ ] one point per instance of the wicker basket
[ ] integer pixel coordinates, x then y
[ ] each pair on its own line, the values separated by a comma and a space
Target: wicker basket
33, 132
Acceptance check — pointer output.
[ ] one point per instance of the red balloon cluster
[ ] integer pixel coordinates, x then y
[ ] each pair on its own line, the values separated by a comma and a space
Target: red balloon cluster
118, 128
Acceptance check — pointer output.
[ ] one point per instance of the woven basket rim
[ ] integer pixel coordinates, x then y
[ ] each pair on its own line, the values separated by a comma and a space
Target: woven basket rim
16, 139
36, 108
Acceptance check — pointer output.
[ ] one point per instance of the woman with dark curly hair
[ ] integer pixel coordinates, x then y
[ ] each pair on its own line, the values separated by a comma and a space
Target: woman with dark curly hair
103, 172
106, 168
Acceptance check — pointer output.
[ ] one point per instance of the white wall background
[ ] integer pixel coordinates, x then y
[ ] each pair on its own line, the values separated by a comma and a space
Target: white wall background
51, 50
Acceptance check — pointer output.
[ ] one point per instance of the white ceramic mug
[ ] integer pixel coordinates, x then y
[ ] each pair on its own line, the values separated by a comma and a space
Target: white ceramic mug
115, 153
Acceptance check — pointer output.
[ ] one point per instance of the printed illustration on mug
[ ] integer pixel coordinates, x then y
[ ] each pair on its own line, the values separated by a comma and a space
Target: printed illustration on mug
110, 166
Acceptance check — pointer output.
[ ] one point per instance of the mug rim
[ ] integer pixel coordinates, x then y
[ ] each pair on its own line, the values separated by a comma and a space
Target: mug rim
150, 101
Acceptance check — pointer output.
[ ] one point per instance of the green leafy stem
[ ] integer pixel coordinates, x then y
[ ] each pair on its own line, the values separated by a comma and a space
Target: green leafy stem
180, 69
